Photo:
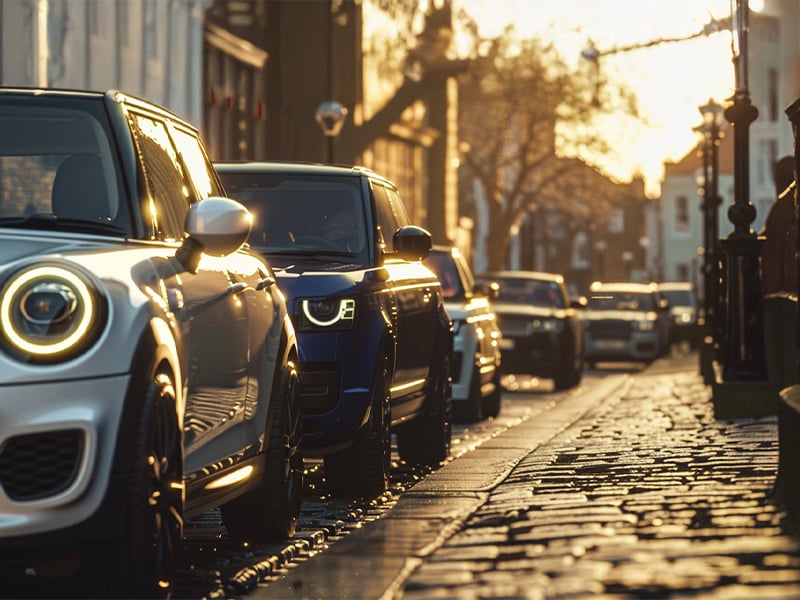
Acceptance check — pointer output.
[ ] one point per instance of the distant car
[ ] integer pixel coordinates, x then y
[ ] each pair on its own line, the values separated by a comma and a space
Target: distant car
375, 339
476, 351
542, 333
147, 361
626, 321
683, 309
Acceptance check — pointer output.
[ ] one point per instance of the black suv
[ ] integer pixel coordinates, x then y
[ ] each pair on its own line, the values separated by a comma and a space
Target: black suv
374, 336
541, 325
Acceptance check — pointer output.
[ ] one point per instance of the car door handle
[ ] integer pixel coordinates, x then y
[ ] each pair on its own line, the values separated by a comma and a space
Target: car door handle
265, 283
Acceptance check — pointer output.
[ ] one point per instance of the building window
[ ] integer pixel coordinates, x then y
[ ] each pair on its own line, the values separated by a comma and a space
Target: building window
682, 214
772, 91
682, 272
616, 221
150, 32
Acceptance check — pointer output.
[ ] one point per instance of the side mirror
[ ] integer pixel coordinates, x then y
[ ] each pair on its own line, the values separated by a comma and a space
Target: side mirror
490, 289
216, 226
579, 302
412, 243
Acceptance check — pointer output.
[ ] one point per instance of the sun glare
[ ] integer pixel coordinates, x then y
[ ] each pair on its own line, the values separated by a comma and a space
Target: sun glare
670, 80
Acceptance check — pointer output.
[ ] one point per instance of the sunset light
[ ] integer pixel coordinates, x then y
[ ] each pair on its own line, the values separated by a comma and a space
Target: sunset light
670, 80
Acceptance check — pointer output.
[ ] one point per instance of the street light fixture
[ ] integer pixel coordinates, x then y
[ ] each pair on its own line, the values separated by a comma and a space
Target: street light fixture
330, 116
711, 132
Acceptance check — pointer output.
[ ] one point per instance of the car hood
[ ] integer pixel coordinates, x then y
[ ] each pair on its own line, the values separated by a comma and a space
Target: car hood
507, 308
321, 278
460, 310
18, 244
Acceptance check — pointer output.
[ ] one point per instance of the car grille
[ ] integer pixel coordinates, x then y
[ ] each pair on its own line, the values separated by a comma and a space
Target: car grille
518, 326
609, 329
40, 465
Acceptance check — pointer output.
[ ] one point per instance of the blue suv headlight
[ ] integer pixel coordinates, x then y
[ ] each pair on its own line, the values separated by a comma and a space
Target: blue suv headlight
49, 313
327, 313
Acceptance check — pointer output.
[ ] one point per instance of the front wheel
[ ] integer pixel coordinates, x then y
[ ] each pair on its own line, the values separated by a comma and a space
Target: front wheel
140, 562
269, 512
491, 404
363, 468
425, 440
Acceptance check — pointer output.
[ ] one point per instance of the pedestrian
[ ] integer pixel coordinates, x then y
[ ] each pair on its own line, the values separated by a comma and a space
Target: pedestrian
779, 280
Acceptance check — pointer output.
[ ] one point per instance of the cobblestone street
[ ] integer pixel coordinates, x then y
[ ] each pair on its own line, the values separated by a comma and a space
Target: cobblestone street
630, 491
646, 496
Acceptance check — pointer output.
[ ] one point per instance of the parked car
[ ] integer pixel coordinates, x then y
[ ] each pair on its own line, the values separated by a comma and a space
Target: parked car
476, 335
147, 364
541, 328
375, 339
683, 309
626, 321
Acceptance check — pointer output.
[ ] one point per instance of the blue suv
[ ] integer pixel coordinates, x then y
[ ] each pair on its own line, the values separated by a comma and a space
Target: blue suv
374, 338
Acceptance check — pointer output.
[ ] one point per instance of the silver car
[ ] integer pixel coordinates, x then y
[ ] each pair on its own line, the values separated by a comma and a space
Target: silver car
147, 362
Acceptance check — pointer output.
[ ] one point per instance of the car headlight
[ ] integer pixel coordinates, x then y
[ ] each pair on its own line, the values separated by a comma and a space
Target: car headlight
548, 325
49, 313
328, 313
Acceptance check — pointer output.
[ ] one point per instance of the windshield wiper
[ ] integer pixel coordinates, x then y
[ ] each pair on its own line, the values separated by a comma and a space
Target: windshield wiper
50, 221
297, 252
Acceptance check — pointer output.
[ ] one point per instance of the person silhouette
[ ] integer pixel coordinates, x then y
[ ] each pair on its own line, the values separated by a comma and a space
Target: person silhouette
778, 270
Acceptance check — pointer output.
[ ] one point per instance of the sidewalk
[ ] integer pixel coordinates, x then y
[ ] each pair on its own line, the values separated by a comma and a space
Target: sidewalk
628, 490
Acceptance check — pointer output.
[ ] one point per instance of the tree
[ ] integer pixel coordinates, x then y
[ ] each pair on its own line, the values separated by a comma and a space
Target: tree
521, 112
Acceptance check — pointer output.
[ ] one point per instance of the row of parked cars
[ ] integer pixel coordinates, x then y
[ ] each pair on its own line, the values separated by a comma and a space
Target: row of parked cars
177, 335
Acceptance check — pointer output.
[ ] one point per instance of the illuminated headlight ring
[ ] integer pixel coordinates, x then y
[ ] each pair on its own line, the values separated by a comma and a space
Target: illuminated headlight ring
328, 313
49, 313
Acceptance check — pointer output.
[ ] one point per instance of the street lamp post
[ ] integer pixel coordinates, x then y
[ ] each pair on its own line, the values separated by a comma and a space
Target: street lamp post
711, 133
743, 352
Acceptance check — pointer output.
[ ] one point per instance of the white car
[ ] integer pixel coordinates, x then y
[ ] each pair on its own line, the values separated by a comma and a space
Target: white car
476, 337
147, 360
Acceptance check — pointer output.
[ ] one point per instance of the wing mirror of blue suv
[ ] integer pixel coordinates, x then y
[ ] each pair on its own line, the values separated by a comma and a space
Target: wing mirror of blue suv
412, 243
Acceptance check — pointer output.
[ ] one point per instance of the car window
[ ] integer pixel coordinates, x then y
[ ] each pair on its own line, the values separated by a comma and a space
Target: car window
387, 221
57, 161
518, 290
445, 269
197, 163
679, 297
169, 193
301, 213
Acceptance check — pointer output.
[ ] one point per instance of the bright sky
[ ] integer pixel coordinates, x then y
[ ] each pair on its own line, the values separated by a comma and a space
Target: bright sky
670, 80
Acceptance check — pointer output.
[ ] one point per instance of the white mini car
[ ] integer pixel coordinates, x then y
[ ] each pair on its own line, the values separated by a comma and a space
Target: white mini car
147, 362
476, 336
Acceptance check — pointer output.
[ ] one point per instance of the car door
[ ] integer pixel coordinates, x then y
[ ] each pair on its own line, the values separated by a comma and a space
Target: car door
417, 294
208, 303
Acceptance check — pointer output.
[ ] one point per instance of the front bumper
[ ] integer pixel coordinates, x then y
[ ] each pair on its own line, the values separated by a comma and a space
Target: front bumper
57, 448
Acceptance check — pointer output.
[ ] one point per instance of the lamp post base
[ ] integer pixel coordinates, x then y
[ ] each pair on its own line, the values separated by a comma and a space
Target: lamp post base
741, 399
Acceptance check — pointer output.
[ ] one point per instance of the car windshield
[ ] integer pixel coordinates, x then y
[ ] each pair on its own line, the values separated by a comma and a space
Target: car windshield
619, 300
442, 264
301, 214
57, 170
530, 291
679, 297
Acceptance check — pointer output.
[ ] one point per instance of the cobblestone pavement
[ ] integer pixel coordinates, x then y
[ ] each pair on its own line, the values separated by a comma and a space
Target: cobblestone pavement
629, 490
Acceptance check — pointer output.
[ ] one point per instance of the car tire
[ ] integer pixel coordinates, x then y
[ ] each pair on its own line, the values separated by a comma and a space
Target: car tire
425, 440
471, 410
139, 563
269, 512
491, 403
569, 374
362, 469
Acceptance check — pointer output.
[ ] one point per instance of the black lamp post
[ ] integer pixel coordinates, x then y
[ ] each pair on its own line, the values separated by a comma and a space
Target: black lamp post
711, 132
743, 352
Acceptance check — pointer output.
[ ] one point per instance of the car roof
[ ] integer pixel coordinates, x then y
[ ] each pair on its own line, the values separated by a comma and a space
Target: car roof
676, 285
299, 167
513, 274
